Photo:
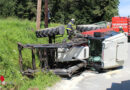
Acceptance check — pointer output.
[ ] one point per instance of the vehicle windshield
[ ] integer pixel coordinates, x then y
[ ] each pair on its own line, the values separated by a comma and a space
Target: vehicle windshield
95, 47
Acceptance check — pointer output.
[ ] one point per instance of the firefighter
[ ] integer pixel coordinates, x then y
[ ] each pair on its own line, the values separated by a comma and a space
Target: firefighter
121, 29
70, 29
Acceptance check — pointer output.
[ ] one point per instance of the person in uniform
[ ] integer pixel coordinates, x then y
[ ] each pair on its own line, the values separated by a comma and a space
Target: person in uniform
121, 29
70, 28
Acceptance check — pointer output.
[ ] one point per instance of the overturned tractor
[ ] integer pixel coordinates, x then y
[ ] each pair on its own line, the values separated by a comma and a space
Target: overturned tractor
98, 50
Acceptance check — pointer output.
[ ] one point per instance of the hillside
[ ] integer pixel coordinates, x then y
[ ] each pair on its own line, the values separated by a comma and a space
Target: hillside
13, 31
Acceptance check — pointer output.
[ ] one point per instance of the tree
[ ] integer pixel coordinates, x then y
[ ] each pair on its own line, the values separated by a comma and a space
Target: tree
84, 11
26, 9
7, 7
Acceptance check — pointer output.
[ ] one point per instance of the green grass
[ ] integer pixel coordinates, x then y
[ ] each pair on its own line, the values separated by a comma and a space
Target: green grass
12, 31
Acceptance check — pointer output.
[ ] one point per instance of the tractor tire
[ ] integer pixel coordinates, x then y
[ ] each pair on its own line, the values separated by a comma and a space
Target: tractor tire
84, 28
50, 32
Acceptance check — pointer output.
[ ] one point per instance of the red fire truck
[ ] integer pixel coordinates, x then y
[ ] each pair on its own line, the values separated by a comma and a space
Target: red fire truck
117, 22
124, 22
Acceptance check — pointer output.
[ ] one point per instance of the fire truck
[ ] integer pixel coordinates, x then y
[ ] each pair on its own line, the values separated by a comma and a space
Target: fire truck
103, 26
124, 22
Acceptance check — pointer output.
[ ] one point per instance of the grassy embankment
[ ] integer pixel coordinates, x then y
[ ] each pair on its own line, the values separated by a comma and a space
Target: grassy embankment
13, 31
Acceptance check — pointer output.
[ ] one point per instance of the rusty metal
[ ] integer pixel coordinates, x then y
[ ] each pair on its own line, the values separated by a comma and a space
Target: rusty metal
33, 59
69, 71
40, 57
20, 57
47, 54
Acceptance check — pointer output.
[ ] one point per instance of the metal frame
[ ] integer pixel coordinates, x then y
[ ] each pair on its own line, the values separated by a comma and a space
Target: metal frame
45, 51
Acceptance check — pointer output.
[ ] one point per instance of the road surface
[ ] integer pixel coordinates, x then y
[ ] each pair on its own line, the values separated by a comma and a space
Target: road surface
113, 80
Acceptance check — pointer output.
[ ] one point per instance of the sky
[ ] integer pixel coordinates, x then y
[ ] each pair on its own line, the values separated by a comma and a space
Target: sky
124, 8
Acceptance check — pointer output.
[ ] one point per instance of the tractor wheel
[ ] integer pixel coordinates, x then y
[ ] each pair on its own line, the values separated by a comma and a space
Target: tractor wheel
83, 28
50, 32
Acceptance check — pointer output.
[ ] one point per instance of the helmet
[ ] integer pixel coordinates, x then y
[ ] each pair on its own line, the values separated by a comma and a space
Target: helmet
120, 26
72, 19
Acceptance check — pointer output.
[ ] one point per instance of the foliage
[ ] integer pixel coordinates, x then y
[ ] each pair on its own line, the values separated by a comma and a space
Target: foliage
13, 31
84, 11
26, 9
7, 7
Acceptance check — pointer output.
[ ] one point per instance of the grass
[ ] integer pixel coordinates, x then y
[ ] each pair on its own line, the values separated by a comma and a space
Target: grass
12, 31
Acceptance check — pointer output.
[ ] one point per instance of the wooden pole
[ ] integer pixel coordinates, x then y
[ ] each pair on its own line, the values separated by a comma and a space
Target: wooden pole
38, 22
46, 14
46, 18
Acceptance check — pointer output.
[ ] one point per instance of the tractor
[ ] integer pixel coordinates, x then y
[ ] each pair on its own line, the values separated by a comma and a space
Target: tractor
94, 49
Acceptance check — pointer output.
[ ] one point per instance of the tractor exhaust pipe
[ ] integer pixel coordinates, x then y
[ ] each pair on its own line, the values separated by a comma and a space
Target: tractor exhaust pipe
69, 71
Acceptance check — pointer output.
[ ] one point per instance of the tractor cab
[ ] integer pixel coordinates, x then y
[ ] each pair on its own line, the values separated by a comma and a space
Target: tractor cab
109, 48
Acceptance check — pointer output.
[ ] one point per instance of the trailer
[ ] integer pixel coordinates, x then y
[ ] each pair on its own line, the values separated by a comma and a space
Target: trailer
100, 50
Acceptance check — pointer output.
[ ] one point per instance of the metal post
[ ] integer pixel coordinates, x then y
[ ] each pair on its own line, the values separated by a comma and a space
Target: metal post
41, 58
39, 4
33, 59
20, 57
50, 39
46, 14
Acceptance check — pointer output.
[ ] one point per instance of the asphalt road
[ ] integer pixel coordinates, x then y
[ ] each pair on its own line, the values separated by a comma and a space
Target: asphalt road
113, 80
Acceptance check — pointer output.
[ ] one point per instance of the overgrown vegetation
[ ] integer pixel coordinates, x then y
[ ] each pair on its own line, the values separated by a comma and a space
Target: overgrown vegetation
13, 31
84, 11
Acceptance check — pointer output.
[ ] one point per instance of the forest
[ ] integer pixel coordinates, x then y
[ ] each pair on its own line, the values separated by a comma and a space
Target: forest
84, 11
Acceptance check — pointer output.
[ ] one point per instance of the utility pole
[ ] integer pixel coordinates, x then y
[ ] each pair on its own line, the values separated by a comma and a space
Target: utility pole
46, 14
46, 19
38, 22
